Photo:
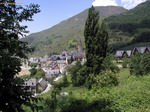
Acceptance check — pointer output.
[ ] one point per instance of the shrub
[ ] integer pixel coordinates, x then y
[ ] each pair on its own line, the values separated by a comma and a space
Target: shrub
65, 82
109, 65
125, 63
33, 71
40, 73
140, 64
106, 79
33, 65
90, 80
82, 75
37, 73
78, 74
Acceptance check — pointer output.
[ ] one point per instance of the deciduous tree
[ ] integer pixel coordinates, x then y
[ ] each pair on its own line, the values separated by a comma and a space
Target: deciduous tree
12, 94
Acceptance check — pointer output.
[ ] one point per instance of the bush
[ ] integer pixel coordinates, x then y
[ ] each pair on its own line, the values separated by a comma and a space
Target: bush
125, 63
106, 79
140, 64
33, 65
71, 104
82, 75
78, 74
40, 73
65, 82
33, 71
37, 73
109, 65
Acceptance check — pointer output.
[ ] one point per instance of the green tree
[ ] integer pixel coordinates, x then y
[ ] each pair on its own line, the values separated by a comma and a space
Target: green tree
73, 71
90, 33
65, 82
96, 41
51, 105
33, 71
40, 73
12, 94
101, 48
140, 64
104, 39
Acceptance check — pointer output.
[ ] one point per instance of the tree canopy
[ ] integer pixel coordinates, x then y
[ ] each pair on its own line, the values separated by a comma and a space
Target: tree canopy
12, 92
96, 41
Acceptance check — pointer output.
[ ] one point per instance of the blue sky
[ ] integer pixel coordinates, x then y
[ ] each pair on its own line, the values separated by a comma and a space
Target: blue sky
55, 11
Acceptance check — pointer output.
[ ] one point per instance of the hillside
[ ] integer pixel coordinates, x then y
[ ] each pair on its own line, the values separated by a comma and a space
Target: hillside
127, 28
133, 24
131, 95
67, 34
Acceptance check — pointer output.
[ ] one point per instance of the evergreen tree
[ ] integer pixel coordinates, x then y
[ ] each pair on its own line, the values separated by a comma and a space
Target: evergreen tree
101, 48
96, 41
12, 50
105, 39
90, 34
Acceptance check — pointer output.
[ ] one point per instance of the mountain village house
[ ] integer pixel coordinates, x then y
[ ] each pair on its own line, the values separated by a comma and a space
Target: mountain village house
128, 53
36, 86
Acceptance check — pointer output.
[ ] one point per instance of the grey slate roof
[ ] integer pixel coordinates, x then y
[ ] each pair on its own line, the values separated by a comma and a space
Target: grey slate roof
148, 49
77, 54
43, 60
55, 57
34, 60
61, 61
30, 82
119, 53
129, 52
140, 49
42, 83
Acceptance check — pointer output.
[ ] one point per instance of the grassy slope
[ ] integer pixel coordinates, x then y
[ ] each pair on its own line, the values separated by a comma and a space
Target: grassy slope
131, 95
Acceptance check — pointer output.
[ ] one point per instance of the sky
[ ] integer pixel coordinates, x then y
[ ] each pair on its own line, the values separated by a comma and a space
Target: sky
55, 11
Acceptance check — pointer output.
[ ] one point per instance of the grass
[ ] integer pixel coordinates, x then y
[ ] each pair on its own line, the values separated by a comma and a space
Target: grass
131, 95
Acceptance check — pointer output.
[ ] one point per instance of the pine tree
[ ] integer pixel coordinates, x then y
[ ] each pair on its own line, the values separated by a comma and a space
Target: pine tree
12, 94
90, 34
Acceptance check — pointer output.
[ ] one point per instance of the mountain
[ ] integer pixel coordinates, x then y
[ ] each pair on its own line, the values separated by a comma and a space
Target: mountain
135, 18
67, 34
131, 28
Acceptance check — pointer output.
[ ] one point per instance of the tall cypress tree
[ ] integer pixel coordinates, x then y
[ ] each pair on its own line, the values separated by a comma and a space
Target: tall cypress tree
104, 39
90, 34
101, 48
96, 41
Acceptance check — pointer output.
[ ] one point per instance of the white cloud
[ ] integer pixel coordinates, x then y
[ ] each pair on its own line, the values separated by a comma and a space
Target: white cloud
129, 4
104, 3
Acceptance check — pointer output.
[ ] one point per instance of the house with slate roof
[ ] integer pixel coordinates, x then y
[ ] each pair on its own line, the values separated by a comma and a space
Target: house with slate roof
35, 86
41, 85
52, 72
31, 84
129, 53
34, 60
140, 50
148, 49
120, 54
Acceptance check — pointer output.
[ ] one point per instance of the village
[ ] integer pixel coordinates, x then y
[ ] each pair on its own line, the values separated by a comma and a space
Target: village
55, 66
